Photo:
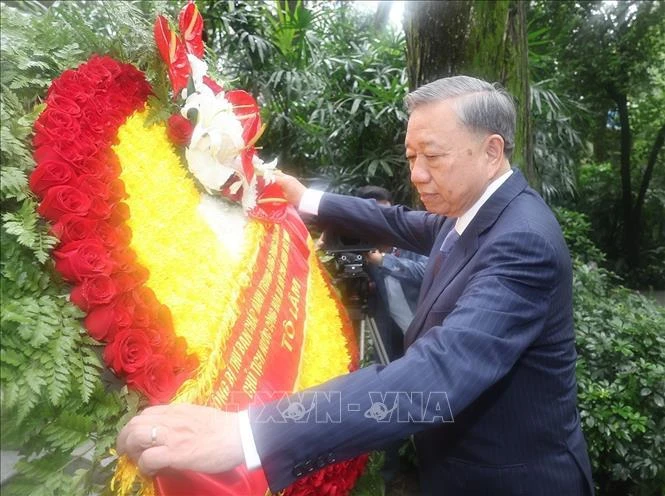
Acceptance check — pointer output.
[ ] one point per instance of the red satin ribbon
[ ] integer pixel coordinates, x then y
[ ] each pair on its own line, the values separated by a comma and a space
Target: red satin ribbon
285, 307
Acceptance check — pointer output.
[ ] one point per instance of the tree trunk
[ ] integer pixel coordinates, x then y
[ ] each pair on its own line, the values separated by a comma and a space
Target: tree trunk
515, 77
631, 232
481, 39
646, 178
382, 15
436, 36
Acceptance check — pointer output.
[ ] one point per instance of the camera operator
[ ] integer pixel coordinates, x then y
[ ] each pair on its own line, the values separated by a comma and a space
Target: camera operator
397, 275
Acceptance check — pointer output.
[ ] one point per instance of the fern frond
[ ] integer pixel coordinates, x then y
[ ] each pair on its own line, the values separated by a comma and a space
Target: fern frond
13, 183
21, 225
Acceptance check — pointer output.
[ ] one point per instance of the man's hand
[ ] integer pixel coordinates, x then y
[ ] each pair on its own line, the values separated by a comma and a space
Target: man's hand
293, 189
375, 257
182, 437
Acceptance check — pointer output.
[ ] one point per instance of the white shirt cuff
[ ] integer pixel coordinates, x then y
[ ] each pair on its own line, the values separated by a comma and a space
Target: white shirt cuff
309, 203
252, 460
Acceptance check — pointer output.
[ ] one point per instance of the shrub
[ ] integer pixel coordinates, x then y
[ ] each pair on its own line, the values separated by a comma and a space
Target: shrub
620, 372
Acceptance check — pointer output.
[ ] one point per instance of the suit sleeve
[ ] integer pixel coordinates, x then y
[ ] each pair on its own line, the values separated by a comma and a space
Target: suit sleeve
393, 226
500, 313
404, 268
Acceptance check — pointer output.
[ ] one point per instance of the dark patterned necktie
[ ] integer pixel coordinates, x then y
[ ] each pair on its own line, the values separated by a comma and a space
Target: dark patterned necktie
446, 247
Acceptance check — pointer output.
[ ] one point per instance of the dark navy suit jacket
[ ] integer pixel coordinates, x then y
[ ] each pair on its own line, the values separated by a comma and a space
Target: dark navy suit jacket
487, 385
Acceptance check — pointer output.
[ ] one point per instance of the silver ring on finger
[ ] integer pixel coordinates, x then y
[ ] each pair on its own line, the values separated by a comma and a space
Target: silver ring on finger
153, 436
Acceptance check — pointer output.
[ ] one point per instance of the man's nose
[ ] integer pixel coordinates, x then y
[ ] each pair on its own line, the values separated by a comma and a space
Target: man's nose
419, 173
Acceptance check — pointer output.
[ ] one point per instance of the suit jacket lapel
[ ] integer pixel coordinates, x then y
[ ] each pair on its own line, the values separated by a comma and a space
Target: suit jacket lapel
461, 253
430, 271
463, 250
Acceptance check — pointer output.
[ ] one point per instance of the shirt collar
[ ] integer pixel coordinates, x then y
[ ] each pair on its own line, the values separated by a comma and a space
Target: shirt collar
465, 219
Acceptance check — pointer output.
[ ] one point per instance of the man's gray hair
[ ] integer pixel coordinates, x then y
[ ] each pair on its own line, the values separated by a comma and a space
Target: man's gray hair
480, 106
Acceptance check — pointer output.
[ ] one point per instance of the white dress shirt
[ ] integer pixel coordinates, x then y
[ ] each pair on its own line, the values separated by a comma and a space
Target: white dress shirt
309, 204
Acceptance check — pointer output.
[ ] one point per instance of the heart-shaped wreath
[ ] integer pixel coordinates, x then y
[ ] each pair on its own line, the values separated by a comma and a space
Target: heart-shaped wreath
195, 301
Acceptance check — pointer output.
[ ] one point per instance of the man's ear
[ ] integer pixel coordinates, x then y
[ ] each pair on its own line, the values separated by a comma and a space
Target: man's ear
494, 151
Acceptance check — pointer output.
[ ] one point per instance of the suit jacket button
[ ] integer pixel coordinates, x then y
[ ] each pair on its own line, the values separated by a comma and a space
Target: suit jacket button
330, 458
297, 470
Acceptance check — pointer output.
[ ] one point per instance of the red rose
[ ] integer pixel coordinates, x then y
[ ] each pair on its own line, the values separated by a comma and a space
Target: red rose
119, 214
100, 209
94, 132
144, 314
126, 280
72, 84
157, 380
165, 320
52, 151
56, 124
64, 104
97, 290
103, 322
147, 296
179, 130
124, 258
128, 352
134, 88
112, 65
62, 200
124, 310
93, 187
77, 151
113, 236
104, 165
161, 340
333, 479
147, 307
50, 173
161, 334
92, 119
117, 190
74, 228
96, 71
82, 259
112, 163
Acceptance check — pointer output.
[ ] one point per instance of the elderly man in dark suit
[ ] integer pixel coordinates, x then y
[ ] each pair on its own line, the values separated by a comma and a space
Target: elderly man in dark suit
487, 384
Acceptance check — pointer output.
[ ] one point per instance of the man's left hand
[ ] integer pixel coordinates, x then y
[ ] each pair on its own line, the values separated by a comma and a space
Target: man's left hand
375, 257
182, 437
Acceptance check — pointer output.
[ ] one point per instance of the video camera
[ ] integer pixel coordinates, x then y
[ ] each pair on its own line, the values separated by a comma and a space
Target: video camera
347, 253
356, 287
348, 268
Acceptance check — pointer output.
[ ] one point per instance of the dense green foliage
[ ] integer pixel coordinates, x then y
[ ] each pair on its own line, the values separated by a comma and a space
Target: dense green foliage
620, 372
331, 86
606, 62
58, 409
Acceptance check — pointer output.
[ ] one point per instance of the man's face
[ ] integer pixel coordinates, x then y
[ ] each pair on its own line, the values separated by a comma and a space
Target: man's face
450, 165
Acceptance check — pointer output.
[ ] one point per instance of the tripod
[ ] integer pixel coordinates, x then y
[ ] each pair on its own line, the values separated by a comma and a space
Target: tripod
356, 288
369, 330
365, 326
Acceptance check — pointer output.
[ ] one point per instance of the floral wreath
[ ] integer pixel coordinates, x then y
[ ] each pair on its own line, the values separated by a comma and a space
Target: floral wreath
196, 300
